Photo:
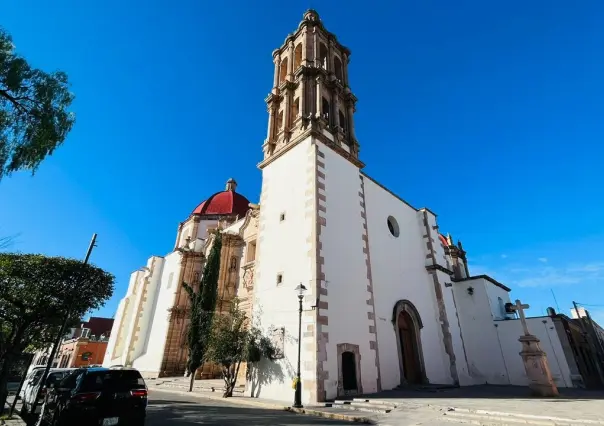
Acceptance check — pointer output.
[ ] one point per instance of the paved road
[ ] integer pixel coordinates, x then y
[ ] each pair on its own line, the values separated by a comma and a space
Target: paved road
168, 409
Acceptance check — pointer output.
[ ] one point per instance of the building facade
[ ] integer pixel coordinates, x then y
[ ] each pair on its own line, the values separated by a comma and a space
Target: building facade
81, 352
389, 298
152, 318
81, 346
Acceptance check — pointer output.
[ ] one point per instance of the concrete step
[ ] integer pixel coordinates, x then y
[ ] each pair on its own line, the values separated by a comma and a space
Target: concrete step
360, 406
376, 401
199, 388
427, 388
484, 420
495, 418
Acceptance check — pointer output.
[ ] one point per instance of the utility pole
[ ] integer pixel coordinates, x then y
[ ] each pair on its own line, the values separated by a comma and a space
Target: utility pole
592, 346
60, 335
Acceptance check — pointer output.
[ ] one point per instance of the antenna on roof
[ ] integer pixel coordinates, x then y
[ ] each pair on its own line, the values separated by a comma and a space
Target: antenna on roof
556, 301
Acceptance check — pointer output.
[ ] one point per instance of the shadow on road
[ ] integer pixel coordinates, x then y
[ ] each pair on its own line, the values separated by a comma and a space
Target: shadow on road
166, 412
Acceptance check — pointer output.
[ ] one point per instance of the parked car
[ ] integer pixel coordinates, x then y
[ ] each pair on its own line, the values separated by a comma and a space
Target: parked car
34, 374
30, 387
97, 396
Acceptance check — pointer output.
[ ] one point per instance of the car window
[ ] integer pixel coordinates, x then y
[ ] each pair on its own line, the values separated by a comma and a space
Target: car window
112, 380
37, 377
70, 380
55, 377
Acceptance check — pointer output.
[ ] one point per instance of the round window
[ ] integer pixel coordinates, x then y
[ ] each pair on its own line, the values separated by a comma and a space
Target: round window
393, 226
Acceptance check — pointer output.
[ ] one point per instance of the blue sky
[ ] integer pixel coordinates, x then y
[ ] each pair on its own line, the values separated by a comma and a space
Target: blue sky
489, 113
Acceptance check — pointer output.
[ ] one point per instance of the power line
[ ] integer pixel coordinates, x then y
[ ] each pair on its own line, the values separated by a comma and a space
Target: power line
587, 304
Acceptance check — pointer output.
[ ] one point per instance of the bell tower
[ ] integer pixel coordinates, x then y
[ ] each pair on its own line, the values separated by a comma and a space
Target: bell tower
311, 93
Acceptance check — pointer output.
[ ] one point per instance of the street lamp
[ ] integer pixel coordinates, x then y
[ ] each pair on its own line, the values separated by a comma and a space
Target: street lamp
298, 393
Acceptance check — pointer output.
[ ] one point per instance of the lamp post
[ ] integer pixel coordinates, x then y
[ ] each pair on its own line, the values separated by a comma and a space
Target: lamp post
298, 393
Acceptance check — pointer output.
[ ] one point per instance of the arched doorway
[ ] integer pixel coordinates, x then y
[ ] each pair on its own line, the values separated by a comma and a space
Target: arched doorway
409, 355
407, 326
349, 370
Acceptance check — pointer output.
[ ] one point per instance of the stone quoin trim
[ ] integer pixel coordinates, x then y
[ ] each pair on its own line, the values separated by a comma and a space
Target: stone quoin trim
442, 309
322, 296
309, 331
261, 227
144, 289
372, 323
316, 206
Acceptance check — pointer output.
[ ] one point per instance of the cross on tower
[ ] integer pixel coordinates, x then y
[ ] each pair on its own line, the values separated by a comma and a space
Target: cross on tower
519, 307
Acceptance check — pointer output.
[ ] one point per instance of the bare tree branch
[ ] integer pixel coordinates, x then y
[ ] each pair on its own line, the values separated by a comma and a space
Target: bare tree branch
7, 241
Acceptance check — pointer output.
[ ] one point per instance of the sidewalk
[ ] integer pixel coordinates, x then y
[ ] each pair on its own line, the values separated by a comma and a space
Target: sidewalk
475, 403
262, 403
15, 420
573, 406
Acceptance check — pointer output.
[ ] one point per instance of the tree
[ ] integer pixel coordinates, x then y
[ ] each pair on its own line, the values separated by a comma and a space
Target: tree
34, 116
234, 341
36, 293
203, 304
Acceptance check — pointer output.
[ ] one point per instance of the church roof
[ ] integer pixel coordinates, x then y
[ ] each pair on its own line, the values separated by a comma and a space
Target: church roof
227, 202
443, 240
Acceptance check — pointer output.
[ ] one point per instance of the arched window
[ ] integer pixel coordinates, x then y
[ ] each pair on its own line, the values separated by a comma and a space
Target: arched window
337, 64
343, 123
323, 56
325, 109
298, 56
283, 70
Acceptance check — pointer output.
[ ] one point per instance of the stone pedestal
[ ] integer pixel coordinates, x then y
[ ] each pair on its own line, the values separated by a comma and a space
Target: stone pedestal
537, 369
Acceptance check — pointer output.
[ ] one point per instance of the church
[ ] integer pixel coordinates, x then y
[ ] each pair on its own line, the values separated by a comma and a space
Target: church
389, 298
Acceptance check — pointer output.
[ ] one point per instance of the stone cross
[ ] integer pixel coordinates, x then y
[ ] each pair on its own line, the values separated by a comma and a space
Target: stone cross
519, 307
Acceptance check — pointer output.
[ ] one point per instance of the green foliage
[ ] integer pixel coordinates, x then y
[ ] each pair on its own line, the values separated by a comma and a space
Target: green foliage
36, 293
34, 116
233, 342
203, 304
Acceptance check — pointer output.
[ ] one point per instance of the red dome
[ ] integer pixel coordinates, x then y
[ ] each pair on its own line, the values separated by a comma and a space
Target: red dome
227, 202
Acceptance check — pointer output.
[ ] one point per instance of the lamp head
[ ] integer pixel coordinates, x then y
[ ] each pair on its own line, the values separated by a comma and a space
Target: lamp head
301, 290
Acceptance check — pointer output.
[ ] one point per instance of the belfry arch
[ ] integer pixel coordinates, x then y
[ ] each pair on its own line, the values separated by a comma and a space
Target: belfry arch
407, 328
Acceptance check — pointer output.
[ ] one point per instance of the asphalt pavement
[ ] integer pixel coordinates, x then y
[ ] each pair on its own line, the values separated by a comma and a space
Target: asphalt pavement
169, 409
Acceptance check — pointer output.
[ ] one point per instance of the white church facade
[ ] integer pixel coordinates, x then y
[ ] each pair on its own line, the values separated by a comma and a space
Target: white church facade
389, 298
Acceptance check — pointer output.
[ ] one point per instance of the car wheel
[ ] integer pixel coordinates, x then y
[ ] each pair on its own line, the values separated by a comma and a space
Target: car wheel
24, 410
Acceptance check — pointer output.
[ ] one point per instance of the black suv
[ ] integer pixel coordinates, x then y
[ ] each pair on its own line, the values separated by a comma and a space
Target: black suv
97, 397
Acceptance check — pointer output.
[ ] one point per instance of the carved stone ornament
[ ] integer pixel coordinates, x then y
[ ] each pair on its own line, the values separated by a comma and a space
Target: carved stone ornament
248, 276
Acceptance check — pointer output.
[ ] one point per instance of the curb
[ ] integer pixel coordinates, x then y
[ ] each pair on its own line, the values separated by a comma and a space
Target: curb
267, 405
